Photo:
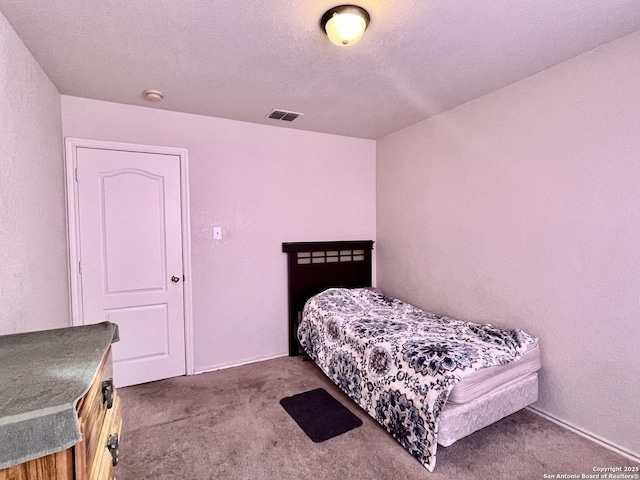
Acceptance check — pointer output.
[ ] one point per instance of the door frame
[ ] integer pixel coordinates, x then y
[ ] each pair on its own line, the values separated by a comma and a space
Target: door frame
73, 228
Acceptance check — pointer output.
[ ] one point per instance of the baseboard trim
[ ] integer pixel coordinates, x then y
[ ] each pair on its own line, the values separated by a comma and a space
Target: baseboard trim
214, 368
588, 435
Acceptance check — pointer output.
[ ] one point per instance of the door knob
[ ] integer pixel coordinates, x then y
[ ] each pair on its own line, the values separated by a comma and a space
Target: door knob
175, 279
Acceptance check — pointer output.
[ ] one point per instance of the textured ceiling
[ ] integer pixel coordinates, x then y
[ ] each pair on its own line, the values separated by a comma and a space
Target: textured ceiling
239, 59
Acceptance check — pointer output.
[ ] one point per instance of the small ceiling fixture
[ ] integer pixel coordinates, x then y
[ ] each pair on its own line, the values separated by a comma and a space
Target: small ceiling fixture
345, 24
153, 95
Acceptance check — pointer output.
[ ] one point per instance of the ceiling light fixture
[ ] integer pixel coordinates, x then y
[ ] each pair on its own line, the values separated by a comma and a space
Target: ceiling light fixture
153, 95
345, 24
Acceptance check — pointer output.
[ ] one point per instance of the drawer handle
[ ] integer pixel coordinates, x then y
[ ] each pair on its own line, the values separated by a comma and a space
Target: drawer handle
107, 393
112, 446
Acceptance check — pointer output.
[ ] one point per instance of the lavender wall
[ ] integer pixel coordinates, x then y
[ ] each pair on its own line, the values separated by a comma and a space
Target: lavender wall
263, 185
33, 245
522, 209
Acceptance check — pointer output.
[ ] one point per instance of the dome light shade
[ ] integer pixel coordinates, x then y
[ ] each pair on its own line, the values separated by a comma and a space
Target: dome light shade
345, 24
153, 95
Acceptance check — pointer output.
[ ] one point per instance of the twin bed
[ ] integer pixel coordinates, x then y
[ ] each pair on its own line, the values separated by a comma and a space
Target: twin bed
427, 379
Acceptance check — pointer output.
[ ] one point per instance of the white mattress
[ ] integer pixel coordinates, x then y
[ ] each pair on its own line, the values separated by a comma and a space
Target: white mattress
460, 420
485, 380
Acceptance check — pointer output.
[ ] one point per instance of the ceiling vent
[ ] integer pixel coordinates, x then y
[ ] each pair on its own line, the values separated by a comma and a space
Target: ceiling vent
287, 116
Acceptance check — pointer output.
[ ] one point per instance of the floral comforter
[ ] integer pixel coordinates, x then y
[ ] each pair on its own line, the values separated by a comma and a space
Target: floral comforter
400, 363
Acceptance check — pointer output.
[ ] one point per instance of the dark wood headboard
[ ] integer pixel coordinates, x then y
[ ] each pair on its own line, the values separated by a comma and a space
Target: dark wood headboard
316, 266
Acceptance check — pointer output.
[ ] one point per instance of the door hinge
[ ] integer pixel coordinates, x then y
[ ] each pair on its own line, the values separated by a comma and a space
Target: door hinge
76, 173
183, 278
80, 268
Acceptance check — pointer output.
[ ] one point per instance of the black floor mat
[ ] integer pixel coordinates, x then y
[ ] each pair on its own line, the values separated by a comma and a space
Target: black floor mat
320, 415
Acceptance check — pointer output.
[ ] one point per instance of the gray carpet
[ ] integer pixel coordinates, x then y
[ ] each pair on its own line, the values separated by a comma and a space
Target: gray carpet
229, 425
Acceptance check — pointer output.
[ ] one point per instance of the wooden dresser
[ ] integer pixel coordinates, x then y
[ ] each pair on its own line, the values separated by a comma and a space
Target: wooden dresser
96, 456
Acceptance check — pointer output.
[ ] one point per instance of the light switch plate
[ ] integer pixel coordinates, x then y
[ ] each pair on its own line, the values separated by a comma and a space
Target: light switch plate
217, 233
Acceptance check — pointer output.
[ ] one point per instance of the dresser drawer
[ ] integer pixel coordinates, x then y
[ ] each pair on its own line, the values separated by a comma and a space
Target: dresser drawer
102, 465
92, 410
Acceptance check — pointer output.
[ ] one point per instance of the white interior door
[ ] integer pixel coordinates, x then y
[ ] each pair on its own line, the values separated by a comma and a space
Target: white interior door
130, 237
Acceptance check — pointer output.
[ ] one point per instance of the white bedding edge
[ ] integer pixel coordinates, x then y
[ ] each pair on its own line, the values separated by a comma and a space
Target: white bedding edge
459, 420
